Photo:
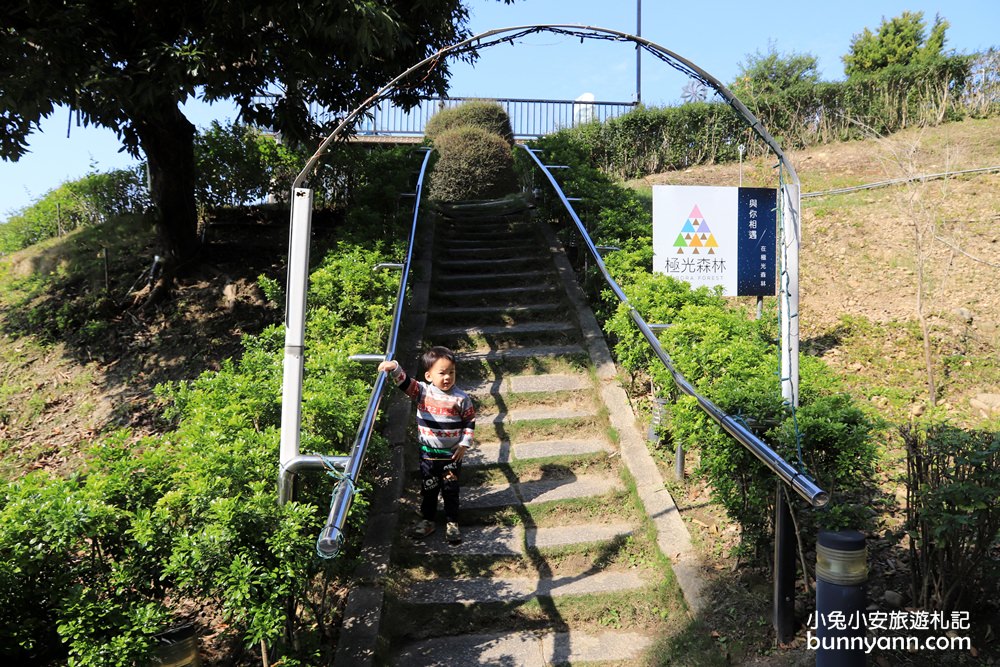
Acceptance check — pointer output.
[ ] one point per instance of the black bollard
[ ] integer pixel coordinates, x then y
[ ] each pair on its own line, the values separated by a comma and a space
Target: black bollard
841, 575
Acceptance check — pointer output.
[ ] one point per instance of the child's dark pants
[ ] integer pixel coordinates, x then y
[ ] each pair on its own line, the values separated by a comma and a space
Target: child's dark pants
439, 476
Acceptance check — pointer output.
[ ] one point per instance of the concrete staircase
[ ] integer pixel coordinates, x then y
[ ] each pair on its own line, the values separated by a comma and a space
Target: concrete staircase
559, 563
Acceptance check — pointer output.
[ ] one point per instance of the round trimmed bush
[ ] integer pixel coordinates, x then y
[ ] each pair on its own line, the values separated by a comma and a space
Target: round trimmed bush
486, 115
472, 164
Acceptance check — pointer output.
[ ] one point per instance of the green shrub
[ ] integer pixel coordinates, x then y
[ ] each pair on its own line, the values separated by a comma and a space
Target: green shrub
91, 566
794, 108
727, 357
733, 361
473, 163
70, 576
91, 200
489, 116
238, 165
952, 513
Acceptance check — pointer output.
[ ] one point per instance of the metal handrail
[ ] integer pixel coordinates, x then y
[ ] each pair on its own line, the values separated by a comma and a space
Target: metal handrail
331, 538
530, 117
802, 485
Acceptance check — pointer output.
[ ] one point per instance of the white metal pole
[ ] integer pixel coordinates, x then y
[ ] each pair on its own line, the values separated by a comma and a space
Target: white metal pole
295, 323
789, 292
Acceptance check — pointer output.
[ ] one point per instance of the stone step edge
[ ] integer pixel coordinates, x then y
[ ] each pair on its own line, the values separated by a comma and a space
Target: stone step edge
537, 492
525, 649
458, 293
523, 353
528, 384
498, 453
484, 590
498, 329
494, 540
510, 275
494, 310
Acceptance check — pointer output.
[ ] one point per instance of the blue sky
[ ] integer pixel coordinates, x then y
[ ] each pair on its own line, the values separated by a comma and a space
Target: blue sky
716, 35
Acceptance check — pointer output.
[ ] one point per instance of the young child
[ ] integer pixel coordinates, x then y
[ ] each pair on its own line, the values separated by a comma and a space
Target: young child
446, 421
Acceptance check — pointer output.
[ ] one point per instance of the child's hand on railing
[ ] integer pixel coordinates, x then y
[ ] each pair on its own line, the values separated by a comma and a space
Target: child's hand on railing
388, 365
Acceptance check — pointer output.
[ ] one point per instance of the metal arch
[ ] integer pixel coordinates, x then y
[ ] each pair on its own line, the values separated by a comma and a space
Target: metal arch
584, 32
301, 206
789, 205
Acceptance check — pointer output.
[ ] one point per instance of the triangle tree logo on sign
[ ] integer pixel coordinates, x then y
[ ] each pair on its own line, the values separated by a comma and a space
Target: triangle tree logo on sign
716, 237
696, 234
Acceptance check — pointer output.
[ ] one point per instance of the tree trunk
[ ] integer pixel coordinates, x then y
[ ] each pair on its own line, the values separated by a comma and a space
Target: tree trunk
168, 142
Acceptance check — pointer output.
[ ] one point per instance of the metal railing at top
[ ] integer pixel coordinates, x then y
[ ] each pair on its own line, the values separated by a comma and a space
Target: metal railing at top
529, 118
802, 485
347, 468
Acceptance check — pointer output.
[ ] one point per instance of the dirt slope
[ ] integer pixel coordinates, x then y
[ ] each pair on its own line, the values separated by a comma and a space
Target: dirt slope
860, 256
858, 260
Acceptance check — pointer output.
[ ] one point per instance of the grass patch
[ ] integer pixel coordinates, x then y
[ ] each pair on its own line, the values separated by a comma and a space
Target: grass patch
59, 287
492, 403
647, 610
622, 553
540, 429
615, 506
540, 470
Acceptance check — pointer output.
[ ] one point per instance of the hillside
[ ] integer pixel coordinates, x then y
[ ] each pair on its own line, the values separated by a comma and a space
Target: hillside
858, 291
77, 361
859, 262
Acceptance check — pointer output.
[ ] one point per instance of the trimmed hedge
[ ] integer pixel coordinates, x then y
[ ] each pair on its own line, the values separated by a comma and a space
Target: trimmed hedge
486, 115
652, 140
473, 163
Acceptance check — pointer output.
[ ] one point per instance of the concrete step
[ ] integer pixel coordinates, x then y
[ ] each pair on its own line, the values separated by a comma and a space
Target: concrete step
500, 241
524, 649
529, 414
502, 337
527, 328
484, 590
512, 540
528, 384
495, 251
523, 353
515, 296
532, 493
505, 228
472, 315
499, 279
491, 265
494, 453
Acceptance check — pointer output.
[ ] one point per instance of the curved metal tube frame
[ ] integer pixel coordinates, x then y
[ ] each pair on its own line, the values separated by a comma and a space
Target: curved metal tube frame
797, 480
291, 461
790, 202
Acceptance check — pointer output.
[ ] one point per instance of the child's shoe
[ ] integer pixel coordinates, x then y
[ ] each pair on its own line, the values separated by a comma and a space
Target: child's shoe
423, 528
452, 533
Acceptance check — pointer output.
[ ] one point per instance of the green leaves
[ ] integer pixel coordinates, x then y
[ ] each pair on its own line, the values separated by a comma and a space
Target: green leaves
729, 358
900, 41
771, 72
952, 512
89, 564
239, 165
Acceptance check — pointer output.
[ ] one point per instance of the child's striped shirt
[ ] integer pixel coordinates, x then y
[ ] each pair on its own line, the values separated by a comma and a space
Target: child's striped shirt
445, 419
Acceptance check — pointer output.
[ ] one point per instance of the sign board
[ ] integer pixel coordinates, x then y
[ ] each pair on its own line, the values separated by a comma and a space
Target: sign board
716, 236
